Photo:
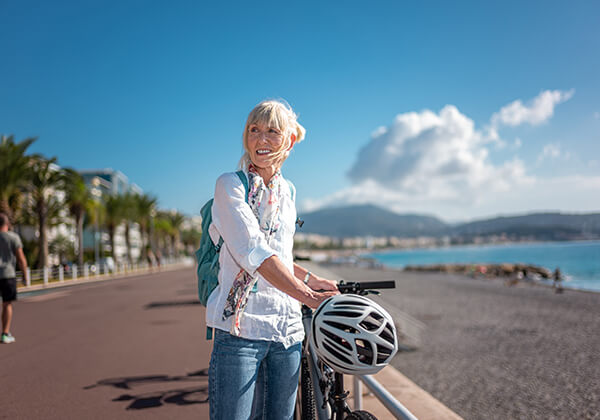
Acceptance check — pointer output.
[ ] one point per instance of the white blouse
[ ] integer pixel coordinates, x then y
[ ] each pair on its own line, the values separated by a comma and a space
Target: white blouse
270, 314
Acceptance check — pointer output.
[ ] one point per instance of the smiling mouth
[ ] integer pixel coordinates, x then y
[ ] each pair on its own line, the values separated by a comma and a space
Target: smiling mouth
263, 152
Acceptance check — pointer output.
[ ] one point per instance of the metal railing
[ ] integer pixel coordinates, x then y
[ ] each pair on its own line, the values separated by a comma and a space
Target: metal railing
383, 395
59, 274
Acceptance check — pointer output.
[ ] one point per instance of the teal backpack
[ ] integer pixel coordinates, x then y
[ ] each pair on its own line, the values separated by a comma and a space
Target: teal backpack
207, 256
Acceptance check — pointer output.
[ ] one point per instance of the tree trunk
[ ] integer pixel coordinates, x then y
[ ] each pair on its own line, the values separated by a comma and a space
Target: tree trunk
43, 239
111, 234
127, 243
79, 223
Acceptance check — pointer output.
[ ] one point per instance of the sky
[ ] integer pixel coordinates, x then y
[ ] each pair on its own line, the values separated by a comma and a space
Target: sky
461, 110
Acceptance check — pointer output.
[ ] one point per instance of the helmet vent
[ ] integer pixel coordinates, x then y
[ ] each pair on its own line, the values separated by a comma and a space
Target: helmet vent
350, 303
365, 351
343, 313
339, 340
372, 322
388, 334
340, 326
383, 354
337, 354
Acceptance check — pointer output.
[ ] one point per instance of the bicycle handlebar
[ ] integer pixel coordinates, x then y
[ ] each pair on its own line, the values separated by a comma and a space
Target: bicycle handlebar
362, 288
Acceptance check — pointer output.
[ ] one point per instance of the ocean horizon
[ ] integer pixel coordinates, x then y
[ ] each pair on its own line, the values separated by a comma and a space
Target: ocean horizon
579, 261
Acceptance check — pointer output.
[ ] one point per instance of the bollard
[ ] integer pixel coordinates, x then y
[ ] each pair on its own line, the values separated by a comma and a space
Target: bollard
45, 276
86, 271
28, 282
61, 273
74, 272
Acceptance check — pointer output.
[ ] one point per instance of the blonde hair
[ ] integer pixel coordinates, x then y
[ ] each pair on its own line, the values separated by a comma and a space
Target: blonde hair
273, 114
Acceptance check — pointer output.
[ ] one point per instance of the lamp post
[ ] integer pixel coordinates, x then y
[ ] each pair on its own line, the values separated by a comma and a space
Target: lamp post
97, 193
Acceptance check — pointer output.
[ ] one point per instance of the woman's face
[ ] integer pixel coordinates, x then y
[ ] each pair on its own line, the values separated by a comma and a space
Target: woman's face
263, 142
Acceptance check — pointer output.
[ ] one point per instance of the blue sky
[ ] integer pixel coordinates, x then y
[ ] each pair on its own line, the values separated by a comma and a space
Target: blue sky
160, 91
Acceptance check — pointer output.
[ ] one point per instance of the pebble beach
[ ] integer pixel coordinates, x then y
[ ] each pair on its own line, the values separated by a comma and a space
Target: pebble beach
492, 351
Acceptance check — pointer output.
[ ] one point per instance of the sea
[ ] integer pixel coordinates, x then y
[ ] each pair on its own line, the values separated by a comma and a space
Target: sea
578, 261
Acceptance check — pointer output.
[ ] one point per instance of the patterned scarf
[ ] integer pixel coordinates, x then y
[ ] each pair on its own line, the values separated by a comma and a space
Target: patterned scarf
264, 200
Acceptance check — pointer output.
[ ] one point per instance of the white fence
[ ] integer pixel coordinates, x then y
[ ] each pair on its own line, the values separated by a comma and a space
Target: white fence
59, 274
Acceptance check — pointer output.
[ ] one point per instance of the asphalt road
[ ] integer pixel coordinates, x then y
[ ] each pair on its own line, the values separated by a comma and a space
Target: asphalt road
127, 348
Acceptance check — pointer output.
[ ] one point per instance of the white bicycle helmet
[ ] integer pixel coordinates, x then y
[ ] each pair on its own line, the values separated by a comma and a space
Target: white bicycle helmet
353, 335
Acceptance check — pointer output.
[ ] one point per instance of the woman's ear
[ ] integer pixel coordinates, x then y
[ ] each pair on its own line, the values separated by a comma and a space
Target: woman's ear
293, 138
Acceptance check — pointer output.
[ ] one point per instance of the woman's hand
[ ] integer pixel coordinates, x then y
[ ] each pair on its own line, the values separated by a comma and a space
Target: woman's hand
319, 283
317, 297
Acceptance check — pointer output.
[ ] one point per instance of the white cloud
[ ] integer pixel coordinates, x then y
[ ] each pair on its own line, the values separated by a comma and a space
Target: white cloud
552, 151
539, 110
431, 155
439, 163
574, 193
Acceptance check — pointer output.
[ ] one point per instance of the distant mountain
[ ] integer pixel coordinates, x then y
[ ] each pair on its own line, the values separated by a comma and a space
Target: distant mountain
370, 220
556, 224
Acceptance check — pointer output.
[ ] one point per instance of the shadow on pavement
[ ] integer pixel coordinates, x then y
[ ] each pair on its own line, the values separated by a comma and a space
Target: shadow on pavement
181, 396
168, 304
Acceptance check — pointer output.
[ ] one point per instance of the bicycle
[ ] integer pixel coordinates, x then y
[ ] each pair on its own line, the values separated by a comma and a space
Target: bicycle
327, 401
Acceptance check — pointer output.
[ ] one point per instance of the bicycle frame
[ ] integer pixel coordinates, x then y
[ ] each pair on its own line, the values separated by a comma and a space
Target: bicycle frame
328, 386
322, 385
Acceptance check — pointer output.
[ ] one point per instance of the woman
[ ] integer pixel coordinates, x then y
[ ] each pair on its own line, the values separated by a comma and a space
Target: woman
255, 309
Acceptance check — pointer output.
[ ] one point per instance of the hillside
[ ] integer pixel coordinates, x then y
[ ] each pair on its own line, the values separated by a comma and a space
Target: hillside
370, 220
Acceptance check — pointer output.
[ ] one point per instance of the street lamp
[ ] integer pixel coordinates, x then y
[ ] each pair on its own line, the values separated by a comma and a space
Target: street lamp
97, 193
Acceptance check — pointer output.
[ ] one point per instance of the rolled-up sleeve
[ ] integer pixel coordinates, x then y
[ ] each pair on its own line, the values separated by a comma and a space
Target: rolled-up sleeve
236, 223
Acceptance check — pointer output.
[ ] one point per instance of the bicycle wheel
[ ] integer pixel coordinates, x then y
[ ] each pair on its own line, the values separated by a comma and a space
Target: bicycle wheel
360, 415
306, 393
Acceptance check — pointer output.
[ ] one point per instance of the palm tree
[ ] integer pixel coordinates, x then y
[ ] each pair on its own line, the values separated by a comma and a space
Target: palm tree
163, 231
96, 216
129, 209
45, 178
176, 220
113, 216
63, 247
14, 171
145, 208
78, 199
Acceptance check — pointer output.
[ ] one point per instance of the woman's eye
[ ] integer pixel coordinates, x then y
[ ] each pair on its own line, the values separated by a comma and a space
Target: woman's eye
253, 130
273, 130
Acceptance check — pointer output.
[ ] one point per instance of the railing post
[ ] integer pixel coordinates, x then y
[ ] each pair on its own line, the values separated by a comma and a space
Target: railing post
86, 271
357, 394
61, 273
45, 271
74, 272
28, 281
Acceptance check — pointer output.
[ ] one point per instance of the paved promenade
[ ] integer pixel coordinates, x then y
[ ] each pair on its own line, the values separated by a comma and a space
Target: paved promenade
125, 348
130, 348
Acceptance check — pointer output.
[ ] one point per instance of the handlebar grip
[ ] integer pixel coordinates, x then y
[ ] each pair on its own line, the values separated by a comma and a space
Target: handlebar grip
387, 284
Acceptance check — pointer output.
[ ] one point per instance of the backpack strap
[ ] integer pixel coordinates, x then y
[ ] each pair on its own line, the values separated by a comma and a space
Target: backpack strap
242, 176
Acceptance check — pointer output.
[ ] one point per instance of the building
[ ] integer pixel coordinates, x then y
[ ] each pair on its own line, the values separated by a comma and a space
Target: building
103, 182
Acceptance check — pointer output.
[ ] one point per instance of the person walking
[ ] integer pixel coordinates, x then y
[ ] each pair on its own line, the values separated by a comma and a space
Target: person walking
11, 252
255, 310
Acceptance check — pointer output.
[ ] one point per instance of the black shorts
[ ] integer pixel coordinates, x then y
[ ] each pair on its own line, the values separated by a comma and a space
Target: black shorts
8, 289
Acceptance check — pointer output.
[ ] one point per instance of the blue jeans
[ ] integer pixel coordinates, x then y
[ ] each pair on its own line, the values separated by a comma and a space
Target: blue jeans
252, 379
